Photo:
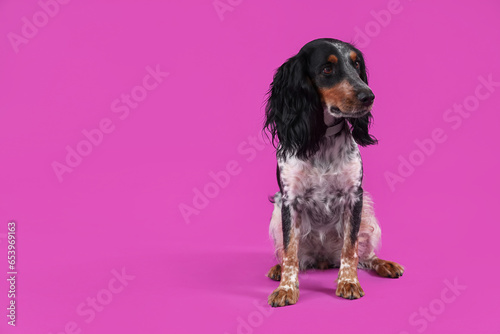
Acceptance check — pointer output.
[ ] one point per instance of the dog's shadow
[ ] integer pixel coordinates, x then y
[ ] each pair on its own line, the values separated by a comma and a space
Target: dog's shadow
243, 274
237, 273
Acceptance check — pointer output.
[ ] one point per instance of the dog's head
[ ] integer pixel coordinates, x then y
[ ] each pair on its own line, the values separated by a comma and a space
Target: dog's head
326, 79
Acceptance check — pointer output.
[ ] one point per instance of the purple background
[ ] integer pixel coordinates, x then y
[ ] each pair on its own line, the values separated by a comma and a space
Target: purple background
433, 176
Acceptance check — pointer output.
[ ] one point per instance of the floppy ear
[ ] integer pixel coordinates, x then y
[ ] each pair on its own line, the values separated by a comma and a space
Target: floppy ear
294, 114
359, 130
360, 125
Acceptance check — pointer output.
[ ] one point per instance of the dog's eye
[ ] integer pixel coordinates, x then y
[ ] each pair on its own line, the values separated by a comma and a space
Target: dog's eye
357, 65
327, 70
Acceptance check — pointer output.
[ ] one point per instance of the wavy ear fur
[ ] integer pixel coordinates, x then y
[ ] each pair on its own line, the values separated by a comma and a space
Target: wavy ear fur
360, 125
294, 113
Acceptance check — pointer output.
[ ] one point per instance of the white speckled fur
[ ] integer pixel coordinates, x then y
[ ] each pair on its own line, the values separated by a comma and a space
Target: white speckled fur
319, 188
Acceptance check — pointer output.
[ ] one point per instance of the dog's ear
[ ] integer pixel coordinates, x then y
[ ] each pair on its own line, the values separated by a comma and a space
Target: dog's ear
359, 130
361, 125
294, 114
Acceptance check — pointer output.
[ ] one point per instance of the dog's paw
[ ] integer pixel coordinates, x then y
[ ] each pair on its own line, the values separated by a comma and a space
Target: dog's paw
283, 296
275, 273
349, 290
389, 269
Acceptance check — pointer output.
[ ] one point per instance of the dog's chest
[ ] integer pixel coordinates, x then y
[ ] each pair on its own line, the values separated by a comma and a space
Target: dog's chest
331, 176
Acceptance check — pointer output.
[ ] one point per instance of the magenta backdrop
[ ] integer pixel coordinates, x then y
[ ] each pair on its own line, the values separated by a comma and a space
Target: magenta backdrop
133, 166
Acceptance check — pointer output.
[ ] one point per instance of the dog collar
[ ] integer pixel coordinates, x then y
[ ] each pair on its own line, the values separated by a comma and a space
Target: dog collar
334, 129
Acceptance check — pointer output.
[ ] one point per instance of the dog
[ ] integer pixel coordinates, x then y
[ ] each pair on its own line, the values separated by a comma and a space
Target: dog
318, 111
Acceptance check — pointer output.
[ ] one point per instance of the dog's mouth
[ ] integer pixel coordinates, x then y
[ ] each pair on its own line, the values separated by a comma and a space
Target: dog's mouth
354, 112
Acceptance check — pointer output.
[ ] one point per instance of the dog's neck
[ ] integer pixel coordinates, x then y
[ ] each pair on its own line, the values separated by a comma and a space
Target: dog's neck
335, 128
334, 124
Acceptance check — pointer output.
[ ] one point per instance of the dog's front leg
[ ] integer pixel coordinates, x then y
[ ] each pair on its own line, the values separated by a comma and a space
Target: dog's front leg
288, 291
348, 284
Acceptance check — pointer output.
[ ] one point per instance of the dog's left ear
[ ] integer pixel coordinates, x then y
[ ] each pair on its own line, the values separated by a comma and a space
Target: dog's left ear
360, 126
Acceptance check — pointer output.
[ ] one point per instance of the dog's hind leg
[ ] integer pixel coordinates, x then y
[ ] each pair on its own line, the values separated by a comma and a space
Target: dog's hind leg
275, 273
368, 239
276, 234
383, 267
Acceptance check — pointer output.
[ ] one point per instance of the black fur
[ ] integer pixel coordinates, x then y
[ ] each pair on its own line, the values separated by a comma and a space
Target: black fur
294, 114
359, 130
279, 178
360, 125
294, 110
356, 216
286, 224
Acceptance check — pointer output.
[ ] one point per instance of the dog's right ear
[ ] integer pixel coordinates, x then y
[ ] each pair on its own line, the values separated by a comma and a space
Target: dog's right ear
294, 113
361, 125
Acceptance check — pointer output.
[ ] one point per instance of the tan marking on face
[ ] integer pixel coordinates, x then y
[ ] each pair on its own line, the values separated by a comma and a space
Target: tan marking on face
341, 96
353, 56
333, 59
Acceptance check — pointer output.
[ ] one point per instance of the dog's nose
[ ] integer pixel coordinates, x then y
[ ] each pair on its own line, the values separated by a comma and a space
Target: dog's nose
366, 97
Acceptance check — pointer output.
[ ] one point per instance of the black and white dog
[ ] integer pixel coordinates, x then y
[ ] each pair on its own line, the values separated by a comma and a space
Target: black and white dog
318, 112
